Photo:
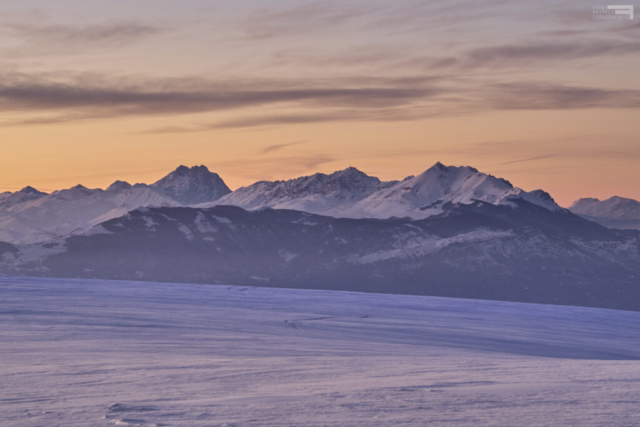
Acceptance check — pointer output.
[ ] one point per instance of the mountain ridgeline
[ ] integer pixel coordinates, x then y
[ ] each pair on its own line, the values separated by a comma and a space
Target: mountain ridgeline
450, 231
31, 216
615, 212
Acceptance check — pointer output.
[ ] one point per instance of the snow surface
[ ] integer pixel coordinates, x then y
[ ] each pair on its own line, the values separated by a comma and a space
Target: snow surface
100, 353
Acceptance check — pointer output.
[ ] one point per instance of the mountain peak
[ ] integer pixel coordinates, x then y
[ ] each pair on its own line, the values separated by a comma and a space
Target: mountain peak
192, 185
348, 172
119, 186
28, 193
622, 199
30, 190
439, 166
184, 170
616, 207
317, 193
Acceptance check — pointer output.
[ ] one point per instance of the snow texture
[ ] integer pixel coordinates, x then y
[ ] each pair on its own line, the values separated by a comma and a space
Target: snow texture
100, 353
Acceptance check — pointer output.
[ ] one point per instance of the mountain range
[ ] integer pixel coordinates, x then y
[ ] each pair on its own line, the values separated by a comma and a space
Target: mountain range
615, 212
29, 216
353, 194
450, 231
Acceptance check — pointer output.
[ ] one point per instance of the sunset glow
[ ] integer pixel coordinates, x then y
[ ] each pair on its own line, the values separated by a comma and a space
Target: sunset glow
541, 94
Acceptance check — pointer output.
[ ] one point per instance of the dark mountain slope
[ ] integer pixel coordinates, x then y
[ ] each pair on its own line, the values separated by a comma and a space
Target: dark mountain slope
479, 250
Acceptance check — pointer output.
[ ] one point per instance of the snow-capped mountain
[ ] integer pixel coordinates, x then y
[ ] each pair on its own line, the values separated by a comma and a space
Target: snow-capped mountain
518, 251
119, 186
439, 186
9, 199
353, 194
612, 208
191, 186
318, 193
615, 212
28, 215
72, 210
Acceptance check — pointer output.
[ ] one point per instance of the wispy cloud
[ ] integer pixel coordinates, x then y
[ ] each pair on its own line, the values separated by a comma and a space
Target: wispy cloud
322, 116
76, 97
276, 147
59, 98
551, 96
60, 39
508, 56
530, 159
269, 168
309, 17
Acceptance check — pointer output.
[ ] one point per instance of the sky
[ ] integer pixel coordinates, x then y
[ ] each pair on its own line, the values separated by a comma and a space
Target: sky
539, 93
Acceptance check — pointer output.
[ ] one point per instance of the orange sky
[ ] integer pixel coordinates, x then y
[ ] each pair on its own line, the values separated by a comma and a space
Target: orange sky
127, 91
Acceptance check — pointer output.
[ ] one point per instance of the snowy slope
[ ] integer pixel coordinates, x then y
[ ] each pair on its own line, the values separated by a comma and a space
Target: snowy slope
9, 199
479, 250
318, 193
438, 187
106, 353
29, 216
72, 210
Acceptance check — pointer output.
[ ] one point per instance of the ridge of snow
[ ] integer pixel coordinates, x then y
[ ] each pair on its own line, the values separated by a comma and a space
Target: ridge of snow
537, 197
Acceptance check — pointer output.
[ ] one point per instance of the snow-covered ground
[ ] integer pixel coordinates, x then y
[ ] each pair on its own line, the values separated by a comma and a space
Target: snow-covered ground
100, 353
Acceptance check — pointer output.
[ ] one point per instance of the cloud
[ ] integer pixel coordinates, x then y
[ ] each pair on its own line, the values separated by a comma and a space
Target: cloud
506, 55
58, 39
276, 147
77, 97
299, 19
261, 167
477, 98
399, 17
59, 98
530, 159
525, 56
426, 16
512, 58
550, 96
332, 115
351, 56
